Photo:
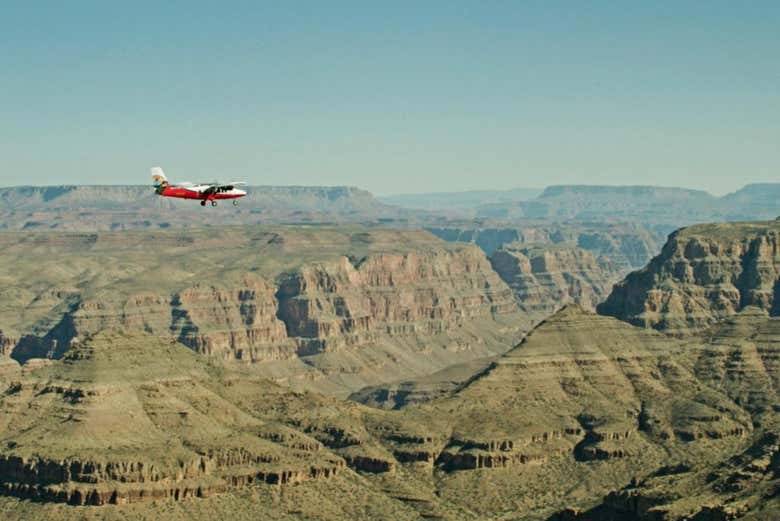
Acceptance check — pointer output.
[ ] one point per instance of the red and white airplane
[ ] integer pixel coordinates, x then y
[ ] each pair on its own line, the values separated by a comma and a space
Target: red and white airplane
203, 192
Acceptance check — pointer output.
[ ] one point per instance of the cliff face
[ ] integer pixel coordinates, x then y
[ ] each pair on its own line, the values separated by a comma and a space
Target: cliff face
237, 323
426, 293
544, 279
657, 426
360, 308
739, 357
703, 273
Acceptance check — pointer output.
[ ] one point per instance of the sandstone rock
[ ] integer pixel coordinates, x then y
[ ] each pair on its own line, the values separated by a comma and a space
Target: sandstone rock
546, 278
124, 418
357, 308
703, 273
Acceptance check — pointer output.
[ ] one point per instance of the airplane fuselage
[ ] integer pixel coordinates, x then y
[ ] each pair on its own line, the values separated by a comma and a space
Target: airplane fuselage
200, 192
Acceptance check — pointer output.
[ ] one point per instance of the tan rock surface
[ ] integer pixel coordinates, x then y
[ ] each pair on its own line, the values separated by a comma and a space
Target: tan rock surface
703, 273
547, 277
326, 309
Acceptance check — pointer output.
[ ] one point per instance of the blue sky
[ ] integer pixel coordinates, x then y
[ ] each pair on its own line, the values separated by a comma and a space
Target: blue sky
392, 96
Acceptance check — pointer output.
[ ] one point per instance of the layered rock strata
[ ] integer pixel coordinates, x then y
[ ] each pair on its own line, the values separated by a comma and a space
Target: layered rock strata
126, 418
545, 278
360, 308
704, 273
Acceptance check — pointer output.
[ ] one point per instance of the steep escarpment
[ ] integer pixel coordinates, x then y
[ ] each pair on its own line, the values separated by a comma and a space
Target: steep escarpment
234, 323
704, 273
545, 278
653, 205
587, 412
321, 309
384, 317
325, 305
634, 203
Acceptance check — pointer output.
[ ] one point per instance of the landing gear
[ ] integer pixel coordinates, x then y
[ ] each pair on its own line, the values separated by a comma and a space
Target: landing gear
203, 203
235, 202
213, 203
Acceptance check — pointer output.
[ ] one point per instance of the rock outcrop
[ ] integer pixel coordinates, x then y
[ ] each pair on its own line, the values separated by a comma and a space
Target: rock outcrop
637, 415
704, 273
127, 417
591, 387
545, 278
325, 306
359, 308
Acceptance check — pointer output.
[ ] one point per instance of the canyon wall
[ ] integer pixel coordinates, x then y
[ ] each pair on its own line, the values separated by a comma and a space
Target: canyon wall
364, 306
544, 279
704, 273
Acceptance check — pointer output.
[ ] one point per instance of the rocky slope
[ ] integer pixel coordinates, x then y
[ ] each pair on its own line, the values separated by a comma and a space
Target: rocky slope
741, 358
587, 413
321, 308
127, 418
703, 273
546, 278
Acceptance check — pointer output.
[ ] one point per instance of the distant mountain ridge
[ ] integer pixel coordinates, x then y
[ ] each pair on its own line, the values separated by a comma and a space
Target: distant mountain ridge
648, 204
467, 200
117, 207
100, 196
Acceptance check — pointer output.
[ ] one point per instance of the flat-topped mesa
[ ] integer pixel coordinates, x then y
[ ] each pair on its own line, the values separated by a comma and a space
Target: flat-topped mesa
704, 273
352, 302
544, 278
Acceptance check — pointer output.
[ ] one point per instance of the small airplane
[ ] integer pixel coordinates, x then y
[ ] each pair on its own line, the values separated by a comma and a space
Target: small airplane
205, 192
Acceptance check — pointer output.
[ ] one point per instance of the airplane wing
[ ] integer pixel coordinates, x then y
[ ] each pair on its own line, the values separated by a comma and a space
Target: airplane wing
212, 188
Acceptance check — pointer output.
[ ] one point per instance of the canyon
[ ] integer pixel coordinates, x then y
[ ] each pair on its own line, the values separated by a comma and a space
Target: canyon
621, 419
193, 373
320, 308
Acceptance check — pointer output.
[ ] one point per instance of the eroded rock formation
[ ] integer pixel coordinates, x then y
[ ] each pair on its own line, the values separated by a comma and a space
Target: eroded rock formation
363, 307
703, 273
546, 278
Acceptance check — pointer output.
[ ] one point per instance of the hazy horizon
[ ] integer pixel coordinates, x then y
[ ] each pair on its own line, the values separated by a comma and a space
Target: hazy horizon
396, 99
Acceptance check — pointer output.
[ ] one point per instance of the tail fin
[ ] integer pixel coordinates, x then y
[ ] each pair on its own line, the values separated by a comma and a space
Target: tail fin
158, 177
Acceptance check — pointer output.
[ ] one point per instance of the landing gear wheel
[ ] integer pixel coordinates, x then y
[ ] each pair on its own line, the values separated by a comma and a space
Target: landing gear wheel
235, 203
203, 203
213, 203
